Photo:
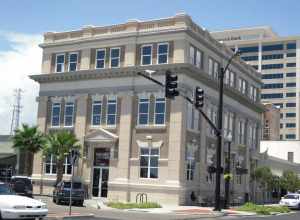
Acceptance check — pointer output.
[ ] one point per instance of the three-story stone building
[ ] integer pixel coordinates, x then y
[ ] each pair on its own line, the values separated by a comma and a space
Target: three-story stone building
134, 140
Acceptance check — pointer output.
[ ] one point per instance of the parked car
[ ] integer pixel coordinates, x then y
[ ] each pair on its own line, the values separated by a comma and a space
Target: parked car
21, 185
61, 192
292, 200
19, 207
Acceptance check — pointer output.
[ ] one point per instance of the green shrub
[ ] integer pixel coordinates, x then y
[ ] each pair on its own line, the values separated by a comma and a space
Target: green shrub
263, 210
120, 205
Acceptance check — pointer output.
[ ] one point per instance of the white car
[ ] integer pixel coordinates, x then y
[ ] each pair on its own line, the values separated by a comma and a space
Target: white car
20, 207
292, 200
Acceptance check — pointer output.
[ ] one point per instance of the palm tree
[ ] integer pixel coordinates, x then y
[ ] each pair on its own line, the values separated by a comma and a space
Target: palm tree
28, 140
60, 144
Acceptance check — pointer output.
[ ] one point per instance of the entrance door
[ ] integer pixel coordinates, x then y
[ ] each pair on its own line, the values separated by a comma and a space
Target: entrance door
100, 179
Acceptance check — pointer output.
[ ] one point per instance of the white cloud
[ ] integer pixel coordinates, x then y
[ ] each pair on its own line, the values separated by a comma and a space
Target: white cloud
24, 58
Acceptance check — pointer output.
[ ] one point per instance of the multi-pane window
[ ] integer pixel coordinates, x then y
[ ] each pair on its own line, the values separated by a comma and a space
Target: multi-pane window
55, 117
272, 86
249, 58
60, 63
272, 66
160, 111
143, 117
242, 86
272, 56
216, 69
291, 55
292, 74
227, 77
195, 57
253, 93
96, 113
290, 94
100, 59
290, 125
190, 163
115, 54
291, 46
192, 117
192, 55
241, 132
149, 162
73, 59
291, 65
290, 115
162, 53
111, 112
290, 105
248, 49
292, 84
198, 59
272, 96
69, 114
51, 165
272, 47
290, 136
146, 55
232, 79
228, 123
272, 76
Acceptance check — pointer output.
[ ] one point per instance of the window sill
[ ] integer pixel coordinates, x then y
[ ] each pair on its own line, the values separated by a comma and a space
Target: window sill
193, 130
151, 126
61, 128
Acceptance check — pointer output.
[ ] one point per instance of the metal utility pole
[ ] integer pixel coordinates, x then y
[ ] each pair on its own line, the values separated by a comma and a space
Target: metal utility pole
15, 121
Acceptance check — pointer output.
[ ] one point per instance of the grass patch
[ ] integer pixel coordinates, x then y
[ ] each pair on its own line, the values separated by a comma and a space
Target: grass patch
120, 205
263, 210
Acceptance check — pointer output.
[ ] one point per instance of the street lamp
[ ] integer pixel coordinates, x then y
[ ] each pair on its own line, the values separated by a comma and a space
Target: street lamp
227, 171
219, 133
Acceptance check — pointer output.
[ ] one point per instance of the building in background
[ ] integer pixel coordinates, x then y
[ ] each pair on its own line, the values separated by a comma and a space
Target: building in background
278, 59
134, 140
271, 130
8, 158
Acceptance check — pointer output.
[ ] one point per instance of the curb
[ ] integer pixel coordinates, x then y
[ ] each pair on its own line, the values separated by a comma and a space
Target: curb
72, 217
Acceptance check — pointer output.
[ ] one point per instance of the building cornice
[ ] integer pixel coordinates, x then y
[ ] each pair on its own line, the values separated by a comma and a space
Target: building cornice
183, 68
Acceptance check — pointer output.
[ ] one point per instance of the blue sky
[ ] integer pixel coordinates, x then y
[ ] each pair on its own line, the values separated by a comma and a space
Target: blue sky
22, 23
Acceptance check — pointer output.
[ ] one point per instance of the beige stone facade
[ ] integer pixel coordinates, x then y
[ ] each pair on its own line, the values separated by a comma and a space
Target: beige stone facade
133, 139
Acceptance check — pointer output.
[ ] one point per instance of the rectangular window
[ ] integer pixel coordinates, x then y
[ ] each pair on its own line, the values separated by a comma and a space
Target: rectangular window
160, 111
60, 63
272, 66
291, 46
272, 76
73, 59
216, 70
272, 47
290, 94
291, 74
290, 105
272, 96
227, 77
69, 114
241, 132
290, 115
278, 105
281, 125
248, 49
242, 86
250, 58
291, 55
111, 112
273, 86
163, 53
290, 136
143, 117
51, 168
96, 113
290, 125
291, 65
232, 79
192, 55
100, 58
55, 119
146, 55
115, 54
149, 163
190, 164
293, 84
210, 67
272, 56
198, 59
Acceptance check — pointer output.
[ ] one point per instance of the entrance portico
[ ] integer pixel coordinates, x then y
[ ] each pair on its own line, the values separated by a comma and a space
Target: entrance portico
102, 147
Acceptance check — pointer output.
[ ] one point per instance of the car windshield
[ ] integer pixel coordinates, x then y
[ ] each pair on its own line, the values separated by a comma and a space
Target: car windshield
24, 180
5, 190
291, 197
76, 185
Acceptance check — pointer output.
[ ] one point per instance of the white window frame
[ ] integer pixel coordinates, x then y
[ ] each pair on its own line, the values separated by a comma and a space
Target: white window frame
142, 55
116, 112
155, 113
69, 61
158, 54
148, 113
96, 59
216, 69
52, 107
66, 164
51, 163
232, 79
101, 105
149, 162
68, 104
199, 59
119, 57
227, 77
63, 64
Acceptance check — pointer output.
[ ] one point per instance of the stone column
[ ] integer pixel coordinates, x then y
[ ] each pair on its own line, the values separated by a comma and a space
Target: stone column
80, 130
177, 135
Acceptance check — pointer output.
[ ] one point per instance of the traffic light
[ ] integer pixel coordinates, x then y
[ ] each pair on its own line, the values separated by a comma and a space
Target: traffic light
171, 85
199, 97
